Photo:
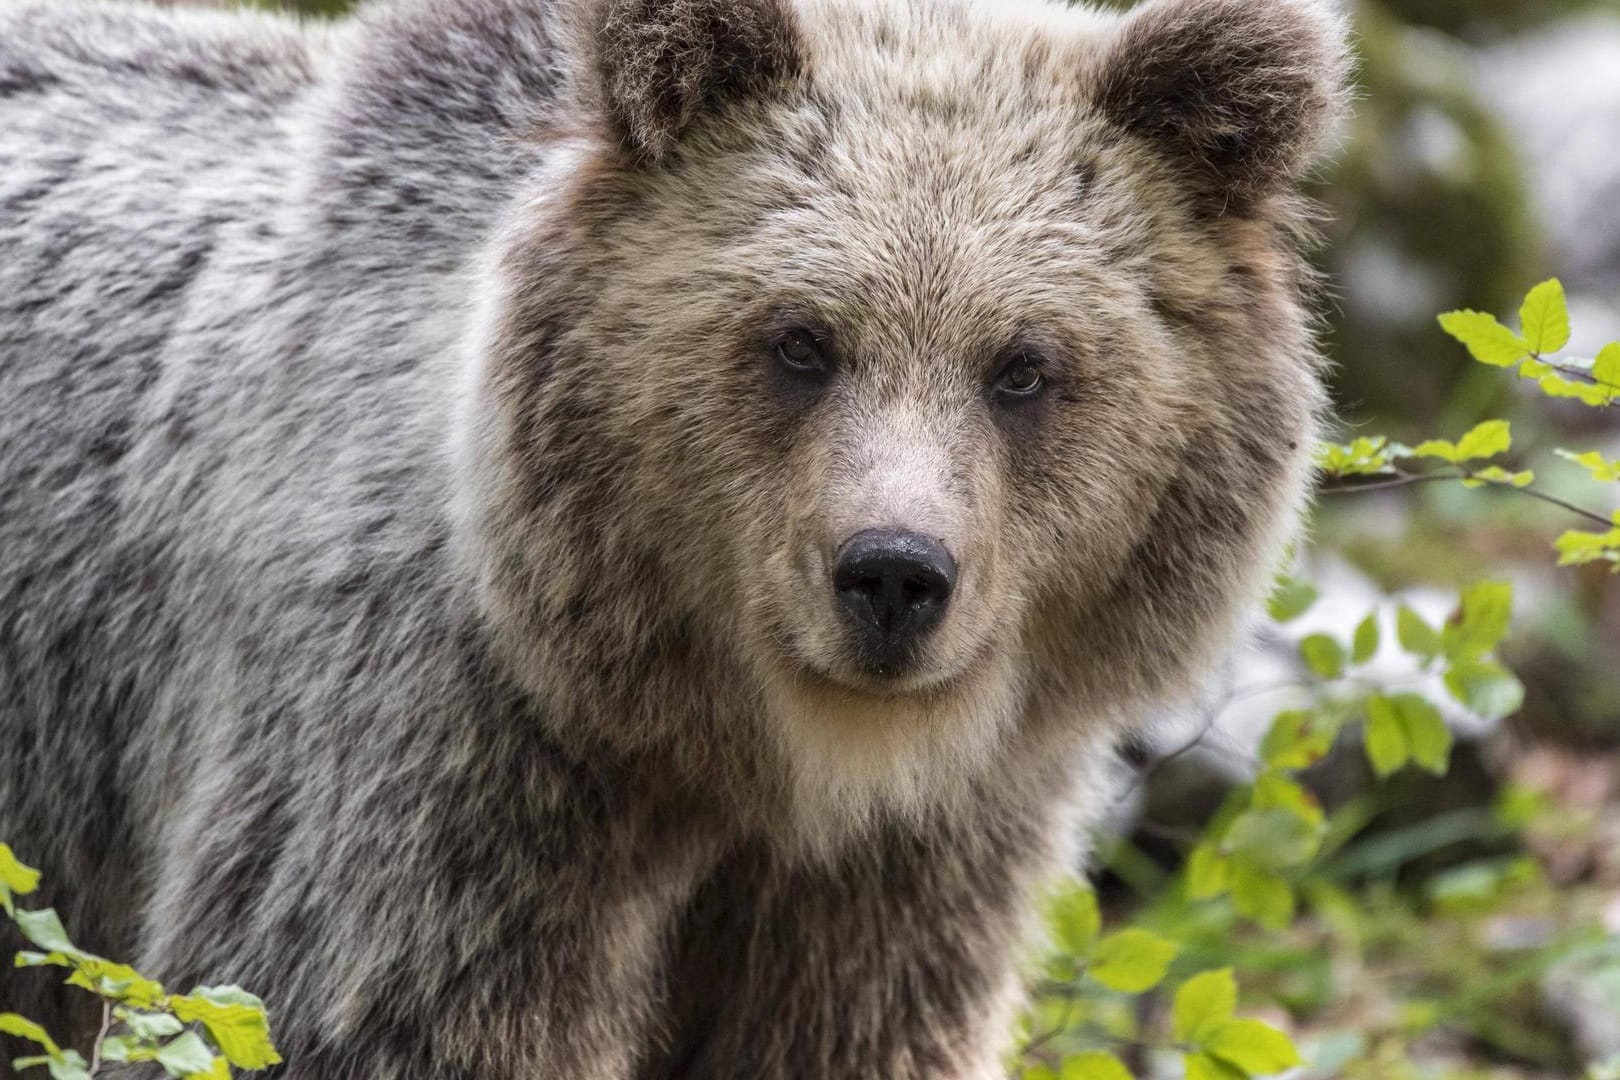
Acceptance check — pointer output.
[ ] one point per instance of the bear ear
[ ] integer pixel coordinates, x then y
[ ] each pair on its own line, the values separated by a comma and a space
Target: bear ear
661, 64
1241, 92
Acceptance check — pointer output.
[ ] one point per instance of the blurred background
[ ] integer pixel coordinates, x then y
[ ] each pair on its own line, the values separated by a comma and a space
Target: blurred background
1465, 926
1468, 926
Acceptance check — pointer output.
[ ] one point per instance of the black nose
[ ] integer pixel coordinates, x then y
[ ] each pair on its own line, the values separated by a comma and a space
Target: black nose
894, 586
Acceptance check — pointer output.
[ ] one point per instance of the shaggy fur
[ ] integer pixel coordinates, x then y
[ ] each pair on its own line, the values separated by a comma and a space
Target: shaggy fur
414, 596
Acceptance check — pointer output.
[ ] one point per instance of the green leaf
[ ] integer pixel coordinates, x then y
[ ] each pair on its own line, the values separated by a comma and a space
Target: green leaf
1487, 689
28, 959
1132, 961
229, 995
1261, 895
1439, 449
1602, 470
63, 1065
1367, 456
68, 1066
1202, 1066
235, 1020
23, 1028
1534, 369
1365, 644
186, 1056
1556, 386
1202, 1004
1274, 838
1481, 622
1094, 1065
1273, 791
1427, 737
128, 1048
1487, 340
15, 879
150, 1026
44, 929
1495, 474
1075, 921
1416, 636
1323, 655
1296, 740
1545, 318
1290, 599
1385, 736
1579, 548
1209, 873
1255, 1048
121, 1048
1489, 439
1606, 371
219, 1070
120, 982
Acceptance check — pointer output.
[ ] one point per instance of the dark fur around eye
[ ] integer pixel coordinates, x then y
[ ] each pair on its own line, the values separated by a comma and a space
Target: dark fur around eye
798, 361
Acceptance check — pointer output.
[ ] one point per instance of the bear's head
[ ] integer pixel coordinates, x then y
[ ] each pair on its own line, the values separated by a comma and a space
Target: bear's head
875, 387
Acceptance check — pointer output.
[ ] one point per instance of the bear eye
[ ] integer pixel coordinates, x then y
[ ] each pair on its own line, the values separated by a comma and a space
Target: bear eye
1021, 378
800, 351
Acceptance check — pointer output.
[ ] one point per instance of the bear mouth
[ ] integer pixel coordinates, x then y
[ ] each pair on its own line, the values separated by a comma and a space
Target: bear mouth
858, 677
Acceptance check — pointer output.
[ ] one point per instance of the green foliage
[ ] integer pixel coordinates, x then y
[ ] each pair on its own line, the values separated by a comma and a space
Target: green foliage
1270, 839
1272, 853
1290, 599
1369, 456
1530, 353
1133, 962
197, 1036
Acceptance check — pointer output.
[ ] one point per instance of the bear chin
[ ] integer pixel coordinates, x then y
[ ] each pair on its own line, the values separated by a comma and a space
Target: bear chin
857, 759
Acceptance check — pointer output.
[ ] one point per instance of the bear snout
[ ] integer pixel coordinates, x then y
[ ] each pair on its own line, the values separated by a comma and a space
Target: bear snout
893, 587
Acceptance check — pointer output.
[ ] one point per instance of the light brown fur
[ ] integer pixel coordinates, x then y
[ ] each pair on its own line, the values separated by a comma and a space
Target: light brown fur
933, 184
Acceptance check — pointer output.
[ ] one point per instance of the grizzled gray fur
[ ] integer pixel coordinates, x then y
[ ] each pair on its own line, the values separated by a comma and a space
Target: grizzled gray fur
610, 539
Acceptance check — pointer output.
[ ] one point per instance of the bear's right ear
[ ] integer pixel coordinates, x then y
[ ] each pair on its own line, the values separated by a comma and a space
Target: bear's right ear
661, 64
1239, 93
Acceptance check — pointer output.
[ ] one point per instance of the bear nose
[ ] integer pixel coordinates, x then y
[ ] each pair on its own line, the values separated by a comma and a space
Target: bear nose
894, 586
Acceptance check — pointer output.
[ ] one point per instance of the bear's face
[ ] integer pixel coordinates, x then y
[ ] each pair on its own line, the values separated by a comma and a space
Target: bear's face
906, 366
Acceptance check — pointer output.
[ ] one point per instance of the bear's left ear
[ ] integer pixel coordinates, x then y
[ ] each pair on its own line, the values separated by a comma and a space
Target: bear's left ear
1241, 93
661, 64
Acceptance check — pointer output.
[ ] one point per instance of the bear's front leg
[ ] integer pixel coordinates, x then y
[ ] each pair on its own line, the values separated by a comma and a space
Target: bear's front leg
898, 959
459, 916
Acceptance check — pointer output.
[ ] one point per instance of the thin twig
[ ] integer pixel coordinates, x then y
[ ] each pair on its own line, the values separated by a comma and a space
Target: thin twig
1035, 1042
101, 1036
1151, 769
1553, 500
1340, 486
1580, 373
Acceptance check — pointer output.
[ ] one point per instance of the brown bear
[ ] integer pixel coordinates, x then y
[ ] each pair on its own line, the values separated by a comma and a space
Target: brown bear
612, 539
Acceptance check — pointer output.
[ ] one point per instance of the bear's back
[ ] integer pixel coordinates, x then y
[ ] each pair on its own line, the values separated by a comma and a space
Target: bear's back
131, 138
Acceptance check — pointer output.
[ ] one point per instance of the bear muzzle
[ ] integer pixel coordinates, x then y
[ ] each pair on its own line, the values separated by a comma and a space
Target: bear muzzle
893, 587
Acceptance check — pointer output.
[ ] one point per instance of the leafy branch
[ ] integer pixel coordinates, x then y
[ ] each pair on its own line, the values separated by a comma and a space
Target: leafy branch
1373, 463
195, 1036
